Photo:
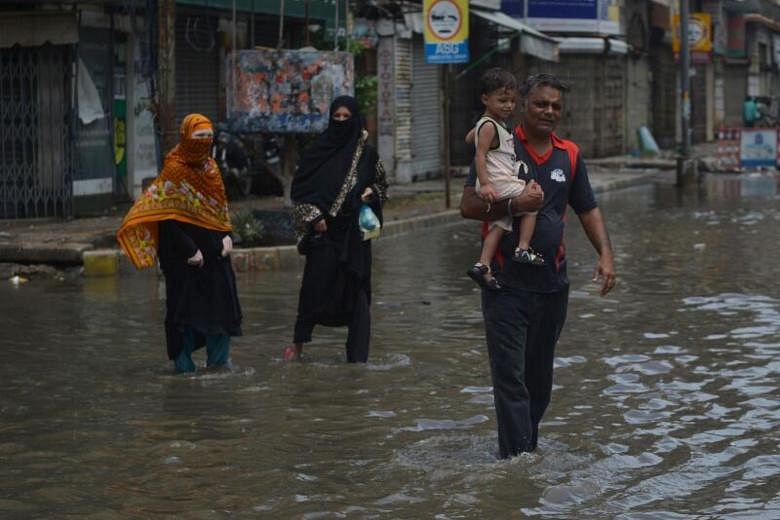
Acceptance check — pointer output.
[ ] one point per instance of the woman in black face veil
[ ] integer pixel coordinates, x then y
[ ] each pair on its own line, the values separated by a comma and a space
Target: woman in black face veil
337, 174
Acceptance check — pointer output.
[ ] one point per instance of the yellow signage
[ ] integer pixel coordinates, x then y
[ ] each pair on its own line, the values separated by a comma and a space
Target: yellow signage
699, 32
446, 31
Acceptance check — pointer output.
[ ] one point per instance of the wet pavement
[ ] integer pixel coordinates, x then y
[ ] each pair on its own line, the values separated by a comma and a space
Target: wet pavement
666, 401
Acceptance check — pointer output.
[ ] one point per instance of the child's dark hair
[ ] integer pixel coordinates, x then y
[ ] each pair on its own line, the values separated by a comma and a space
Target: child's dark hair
541, 80
495, 79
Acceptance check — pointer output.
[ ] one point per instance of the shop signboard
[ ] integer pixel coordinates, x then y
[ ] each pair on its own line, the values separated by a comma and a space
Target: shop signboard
590, 16
699, 33
758, 148
286, 91
446, 31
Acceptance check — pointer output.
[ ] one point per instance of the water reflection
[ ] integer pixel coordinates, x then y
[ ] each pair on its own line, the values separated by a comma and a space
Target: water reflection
665, 404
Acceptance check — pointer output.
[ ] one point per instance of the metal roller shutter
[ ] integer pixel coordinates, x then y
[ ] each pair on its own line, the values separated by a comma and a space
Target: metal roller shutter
403, 99
426, 112
197, 66
735, 90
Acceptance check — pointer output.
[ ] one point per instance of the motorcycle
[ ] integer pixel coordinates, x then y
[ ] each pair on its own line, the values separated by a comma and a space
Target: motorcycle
243, 159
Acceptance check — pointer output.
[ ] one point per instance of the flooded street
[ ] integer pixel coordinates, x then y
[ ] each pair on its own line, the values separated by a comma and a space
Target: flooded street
666, 401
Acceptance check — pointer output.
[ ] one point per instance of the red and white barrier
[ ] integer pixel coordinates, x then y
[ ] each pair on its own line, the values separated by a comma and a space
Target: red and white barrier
727, 152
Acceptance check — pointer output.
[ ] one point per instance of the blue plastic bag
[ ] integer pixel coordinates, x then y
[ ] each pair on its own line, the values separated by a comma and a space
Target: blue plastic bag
369, 223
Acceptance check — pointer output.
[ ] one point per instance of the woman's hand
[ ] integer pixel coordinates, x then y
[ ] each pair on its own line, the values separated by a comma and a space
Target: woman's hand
321, 226
367, 194
196, 259
227, 245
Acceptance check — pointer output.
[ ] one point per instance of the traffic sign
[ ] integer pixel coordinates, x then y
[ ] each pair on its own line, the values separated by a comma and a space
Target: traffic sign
446, 31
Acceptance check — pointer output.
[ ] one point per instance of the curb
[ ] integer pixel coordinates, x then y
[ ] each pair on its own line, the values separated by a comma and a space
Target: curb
110, 262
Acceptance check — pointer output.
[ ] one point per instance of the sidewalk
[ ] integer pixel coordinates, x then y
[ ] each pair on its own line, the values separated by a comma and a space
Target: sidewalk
91, 243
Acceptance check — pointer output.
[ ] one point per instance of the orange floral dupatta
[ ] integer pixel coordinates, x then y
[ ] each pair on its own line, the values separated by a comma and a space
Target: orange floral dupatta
189, 189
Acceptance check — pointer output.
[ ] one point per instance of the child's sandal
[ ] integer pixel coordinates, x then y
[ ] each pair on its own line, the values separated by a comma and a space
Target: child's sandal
481, 274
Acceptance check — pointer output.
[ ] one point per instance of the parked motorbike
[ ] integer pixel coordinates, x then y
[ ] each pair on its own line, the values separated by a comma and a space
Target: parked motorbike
246, 161
766, 112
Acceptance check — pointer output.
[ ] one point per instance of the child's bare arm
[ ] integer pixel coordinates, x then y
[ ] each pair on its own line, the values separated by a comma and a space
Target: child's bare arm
487, 133
470, 137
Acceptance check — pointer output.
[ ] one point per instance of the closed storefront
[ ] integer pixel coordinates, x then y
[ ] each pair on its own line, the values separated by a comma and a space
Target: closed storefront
664, 95
37, 57
197, 65
699, 103
426, 114
735, 90
594, 109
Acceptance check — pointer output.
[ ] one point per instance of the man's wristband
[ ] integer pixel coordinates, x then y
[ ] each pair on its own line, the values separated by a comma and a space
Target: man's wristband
509, 207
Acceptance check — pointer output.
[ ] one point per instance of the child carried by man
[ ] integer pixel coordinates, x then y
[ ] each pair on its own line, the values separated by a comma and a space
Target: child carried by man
499, 173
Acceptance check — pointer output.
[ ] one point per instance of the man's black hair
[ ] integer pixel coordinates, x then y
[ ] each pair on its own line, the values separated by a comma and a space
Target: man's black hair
495, 79
541, 80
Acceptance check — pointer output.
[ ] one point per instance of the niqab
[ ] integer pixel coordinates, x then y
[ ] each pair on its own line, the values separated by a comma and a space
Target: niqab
326, 162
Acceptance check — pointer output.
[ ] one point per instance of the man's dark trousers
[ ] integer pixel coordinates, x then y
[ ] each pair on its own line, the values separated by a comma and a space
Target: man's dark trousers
521, 328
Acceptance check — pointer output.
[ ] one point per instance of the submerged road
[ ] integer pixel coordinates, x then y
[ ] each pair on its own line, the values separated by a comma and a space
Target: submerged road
666, 402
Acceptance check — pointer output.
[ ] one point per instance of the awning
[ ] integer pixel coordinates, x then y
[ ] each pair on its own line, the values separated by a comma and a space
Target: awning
532, 42
32, 29
592, 45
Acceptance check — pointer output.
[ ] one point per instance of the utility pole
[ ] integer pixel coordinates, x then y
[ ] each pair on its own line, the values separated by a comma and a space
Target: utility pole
445, 126
166, 75
683, 161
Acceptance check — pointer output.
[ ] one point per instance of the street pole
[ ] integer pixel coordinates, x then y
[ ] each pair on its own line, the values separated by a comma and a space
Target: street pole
685, 94
166, 92
306, 22
445, 90
233, 54
281, 25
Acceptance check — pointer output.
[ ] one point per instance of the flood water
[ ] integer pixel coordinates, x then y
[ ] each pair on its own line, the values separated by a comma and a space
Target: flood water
666, 401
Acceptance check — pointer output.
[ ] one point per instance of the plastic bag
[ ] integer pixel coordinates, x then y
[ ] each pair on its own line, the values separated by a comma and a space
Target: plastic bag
369, 223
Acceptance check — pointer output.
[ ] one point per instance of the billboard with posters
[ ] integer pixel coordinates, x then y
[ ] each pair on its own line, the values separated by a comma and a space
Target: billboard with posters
446, 31
286, 91
590, 16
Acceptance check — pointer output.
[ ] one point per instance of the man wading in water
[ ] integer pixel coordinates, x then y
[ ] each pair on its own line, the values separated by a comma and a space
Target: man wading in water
524, 319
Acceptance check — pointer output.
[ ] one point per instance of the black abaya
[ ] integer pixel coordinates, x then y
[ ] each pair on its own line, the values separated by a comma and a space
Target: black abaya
203, 299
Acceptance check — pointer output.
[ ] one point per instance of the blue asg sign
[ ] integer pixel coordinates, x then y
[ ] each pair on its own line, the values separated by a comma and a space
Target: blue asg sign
446, 31
600, 16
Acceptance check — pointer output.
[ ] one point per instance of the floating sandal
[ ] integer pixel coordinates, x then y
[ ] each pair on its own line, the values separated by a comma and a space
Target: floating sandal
527, 256
481, 274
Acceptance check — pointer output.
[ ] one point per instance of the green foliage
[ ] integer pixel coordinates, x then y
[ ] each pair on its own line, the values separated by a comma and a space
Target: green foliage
366, 93
365, 85
247, 230
356, 47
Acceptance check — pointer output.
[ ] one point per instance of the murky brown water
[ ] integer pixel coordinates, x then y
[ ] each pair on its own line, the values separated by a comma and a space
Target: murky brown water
666, 403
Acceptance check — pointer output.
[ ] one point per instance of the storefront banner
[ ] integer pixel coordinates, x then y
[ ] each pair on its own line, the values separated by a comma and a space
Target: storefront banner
286, 91
446, 31
699, 32
758, 147
600, 16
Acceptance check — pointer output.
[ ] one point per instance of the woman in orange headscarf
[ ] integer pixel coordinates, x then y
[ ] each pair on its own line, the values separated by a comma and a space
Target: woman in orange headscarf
182, 220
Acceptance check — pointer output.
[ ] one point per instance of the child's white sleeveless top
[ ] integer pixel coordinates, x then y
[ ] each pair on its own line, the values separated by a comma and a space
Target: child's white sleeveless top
501, 162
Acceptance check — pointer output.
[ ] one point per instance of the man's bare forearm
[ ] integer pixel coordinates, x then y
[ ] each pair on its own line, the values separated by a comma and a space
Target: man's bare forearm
596, 230
473, 207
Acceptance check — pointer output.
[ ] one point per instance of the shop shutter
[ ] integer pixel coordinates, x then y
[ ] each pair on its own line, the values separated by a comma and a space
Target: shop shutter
735, 90
426, 113
403, 99
197, 66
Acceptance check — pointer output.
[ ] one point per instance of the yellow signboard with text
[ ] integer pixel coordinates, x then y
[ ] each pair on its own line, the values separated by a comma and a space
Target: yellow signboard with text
446, 31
